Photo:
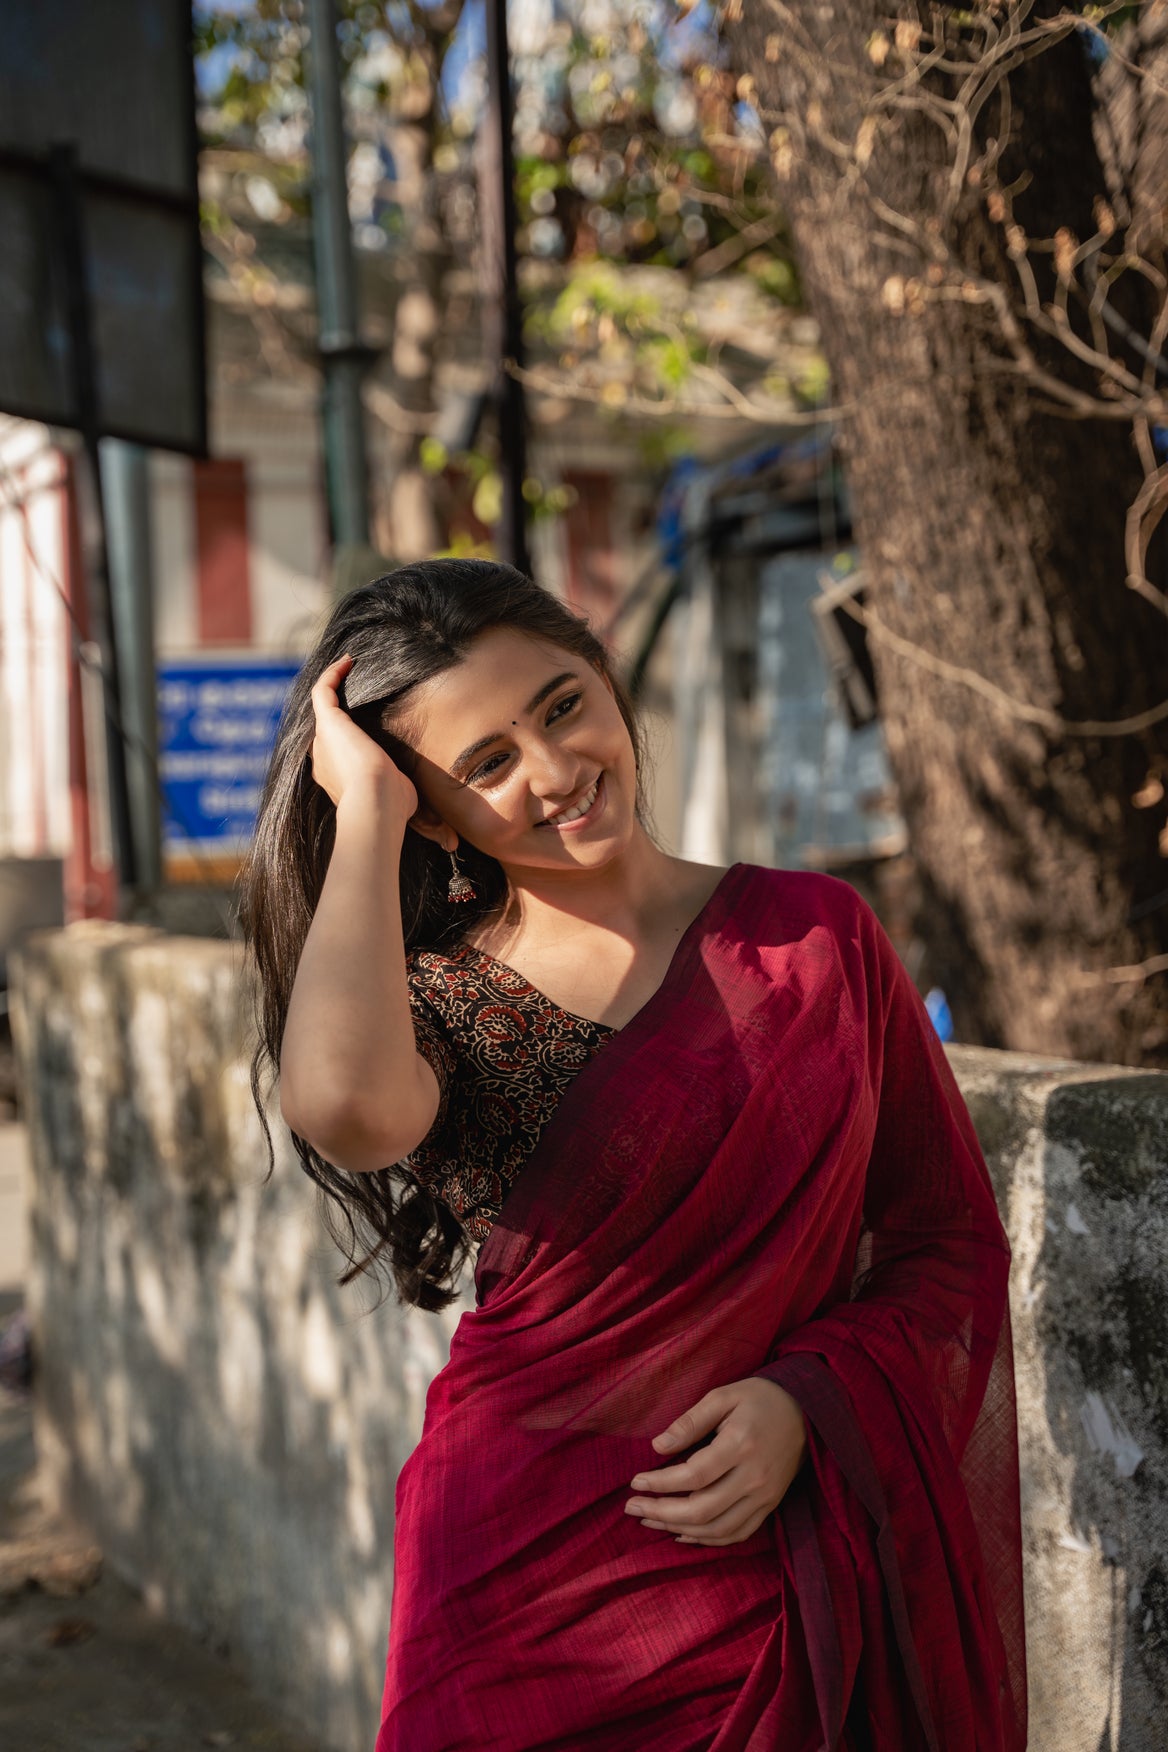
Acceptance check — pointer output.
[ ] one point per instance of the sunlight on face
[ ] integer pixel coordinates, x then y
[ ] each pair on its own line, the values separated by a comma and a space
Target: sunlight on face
522, 751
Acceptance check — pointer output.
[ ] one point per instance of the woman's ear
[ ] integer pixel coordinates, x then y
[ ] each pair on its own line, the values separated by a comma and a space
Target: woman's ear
427, 822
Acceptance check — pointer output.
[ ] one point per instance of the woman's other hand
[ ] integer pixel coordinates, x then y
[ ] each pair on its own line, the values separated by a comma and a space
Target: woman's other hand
732, 1484
343, 756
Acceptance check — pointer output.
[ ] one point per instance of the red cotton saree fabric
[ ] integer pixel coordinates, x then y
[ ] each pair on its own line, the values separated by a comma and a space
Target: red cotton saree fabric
768, 1171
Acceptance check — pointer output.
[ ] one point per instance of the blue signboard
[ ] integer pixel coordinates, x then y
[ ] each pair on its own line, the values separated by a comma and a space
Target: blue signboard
217, 722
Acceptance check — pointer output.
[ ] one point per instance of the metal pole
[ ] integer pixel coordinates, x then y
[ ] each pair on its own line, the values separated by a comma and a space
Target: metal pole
503, 316
70, 239
343, 356
126, 484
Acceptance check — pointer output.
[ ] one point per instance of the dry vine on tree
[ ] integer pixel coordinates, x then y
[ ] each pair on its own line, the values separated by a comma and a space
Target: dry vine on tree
976, 198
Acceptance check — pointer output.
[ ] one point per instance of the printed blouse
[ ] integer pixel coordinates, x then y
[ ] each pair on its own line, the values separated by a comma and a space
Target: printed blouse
503, 1055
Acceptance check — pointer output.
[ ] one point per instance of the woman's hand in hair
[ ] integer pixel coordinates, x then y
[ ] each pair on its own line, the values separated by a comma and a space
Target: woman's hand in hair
343, 757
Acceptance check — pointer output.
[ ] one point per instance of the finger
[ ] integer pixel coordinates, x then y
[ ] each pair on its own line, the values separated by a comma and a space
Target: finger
728, 1525
733, 1536
327, 682
694, 1510
703, 1468
698, 1421
721, 1526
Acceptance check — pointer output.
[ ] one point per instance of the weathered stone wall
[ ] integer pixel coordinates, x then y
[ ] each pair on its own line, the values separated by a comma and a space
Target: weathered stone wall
227, 1421
1079, 1155
230, 1424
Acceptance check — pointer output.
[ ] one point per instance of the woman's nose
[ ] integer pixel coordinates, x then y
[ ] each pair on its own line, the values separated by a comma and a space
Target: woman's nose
553, 771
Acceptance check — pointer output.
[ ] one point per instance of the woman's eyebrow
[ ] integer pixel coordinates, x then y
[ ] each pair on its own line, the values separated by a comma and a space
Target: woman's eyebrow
534, 703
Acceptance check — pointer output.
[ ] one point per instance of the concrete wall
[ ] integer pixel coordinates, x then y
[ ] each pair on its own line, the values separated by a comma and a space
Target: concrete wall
230, 1424
1079, 1155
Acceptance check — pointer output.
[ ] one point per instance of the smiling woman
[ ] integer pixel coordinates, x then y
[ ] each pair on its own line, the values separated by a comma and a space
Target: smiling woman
454, 708
564, 768
725, 1453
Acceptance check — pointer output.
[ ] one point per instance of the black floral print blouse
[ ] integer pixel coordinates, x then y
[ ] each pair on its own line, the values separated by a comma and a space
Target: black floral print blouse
503, 1055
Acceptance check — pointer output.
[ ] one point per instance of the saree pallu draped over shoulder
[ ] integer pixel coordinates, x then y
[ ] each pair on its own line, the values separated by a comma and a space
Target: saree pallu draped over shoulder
768, 1171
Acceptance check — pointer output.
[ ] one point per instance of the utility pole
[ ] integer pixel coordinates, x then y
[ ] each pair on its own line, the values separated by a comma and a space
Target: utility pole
71, 245
343, 356
126, 491
502, 315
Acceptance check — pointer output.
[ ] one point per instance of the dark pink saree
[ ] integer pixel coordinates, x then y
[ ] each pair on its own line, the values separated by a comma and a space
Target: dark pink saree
768, 1171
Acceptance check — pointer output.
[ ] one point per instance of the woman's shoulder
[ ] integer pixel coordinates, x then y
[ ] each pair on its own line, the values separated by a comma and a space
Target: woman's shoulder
455, 982
429, 970
820, 920
810, 895
775, 906
430, 973
425, 962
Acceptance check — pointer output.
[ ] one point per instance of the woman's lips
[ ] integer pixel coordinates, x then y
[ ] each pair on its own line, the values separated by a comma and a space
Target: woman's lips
562, 826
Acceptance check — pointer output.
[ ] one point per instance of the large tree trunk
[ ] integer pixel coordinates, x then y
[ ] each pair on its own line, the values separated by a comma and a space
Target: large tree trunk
991, 529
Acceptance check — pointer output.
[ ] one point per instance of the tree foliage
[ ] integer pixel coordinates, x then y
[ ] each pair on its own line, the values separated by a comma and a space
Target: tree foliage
642, 186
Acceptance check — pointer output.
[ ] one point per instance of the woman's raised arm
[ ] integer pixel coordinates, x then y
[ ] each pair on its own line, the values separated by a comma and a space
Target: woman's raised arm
352, 1082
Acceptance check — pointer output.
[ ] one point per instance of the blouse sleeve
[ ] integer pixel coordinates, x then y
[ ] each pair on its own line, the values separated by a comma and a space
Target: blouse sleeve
436, 1047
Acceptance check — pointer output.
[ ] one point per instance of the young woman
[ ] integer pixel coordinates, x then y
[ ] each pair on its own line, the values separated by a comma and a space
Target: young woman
724, 1455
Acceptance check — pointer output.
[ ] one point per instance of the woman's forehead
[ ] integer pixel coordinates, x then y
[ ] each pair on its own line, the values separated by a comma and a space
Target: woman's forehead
495, 680
498, 647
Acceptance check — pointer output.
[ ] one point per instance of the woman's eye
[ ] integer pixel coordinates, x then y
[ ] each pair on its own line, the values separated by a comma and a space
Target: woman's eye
492, 764
488, 767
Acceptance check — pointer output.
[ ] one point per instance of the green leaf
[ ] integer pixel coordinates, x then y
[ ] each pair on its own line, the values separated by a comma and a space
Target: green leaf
814, 381
433, 455
487, 503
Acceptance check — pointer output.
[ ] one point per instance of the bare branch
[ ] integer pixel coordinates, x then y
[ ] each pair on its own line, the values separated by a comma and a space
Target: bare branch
735, 406
997, 696
714, 261
1144, 517
384, 405
1132, 975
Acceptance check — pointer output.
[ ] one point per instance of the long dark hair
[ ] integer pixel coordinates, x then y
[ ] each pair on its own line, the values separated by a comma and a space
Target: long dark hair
401, 630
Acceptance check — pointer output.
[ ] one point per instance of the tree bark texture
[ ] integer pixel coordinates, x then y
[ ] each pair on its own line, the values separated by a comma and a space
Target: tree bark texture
411, 523
413, 526
991, 529
1132, 127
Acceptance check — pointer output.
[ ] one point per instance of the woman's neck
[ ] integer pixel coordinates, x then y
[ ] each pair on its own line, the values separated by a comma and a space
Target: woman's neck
548, 909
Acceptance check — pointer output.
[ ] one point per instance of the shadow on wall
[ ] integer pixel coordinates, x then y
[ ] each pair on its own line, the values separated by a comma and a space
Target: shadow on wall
1103, 1326
1081, 1163
227, 1421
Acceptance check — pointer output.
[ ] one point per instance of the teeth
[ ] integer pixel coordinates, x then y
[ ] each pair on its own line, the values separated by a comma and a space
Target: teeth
580, 809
